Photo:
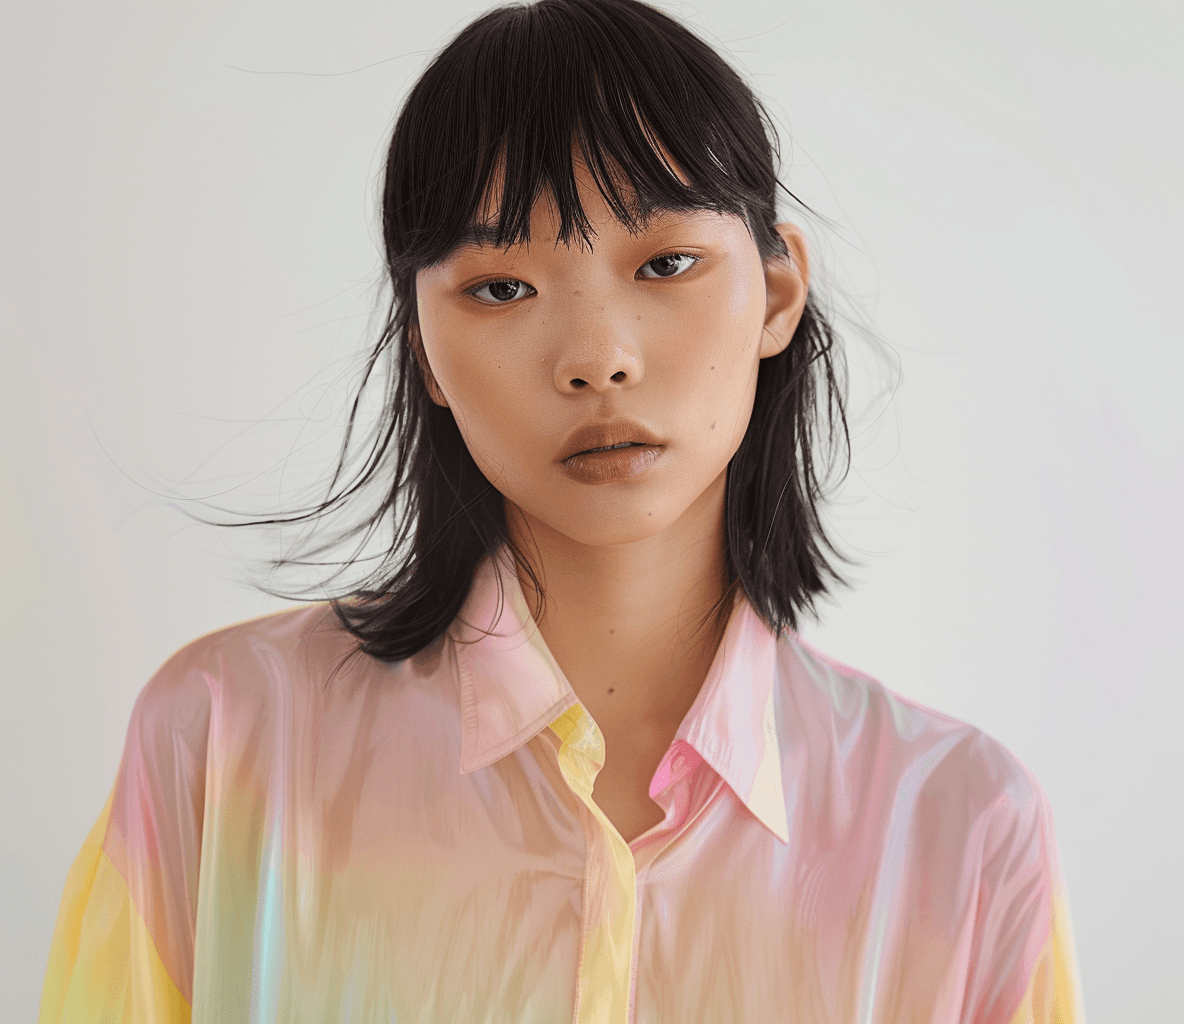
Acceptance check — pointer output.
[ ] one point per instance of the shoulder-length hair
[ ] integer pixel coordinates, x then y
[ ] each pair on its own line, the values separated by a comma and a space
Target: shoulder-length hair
513, 92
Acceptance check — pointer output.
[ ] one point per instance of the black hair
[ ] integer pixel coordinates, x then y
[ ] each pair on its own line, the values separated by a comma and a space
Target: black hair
505, 101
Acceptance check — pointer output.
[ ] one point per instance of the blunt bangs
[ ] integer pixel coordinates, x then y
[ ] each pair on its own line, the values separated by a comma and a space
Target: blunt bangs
511, 98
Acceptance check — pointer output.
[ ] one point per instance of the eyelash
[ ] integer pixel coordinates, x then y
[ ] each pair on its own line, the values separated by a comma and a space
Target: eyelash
513, 280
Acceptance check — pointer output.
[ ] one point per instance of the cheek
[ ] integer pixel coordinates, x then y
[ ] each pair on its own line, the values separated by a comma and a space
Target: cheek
722, 337
731, 309
719, 330
486, 395
455, 359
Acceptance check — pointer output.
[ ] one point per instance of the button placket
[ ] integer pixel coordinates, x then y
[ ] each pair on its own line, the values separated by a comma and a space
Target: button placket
687, 793
607, 943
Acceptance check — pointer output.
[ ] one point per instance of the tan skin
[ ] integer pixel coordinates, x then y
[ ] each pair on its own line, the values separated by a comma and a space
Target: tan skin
631, 568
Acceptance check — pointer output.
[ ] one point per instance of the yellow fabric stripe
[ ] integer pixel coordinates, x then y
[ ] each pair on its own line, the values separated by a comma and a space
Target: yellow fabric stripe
103, 964
1054, 990
606, 964
1067, 981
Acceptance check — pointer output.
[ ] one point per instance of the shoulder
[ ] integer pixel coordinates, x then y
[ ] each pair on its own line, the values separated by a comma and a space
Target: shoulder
943, 813
946, 763
234, 661
308, 629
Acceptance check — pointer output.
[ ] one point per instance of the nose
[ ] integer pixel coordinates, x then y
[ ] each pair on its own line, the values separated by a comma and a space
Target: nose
597, 355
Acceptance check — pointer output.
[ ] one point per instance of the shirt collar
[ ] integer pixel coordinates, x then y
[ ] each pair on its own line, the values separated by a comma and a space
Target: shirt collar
511, 688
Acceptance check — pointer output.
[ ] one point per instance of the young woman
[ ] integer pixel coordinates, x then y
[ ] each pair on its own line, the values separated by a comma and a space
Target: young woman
563, 756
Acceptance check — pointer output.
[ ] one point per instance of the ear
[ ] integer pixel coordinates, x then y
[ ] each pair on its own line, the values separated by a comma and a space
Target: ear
415, 339
787, 282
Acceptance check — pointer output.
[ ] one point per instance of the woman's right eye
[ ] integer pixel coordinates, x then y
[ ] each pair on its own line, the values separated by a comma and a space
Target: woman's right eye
500, 292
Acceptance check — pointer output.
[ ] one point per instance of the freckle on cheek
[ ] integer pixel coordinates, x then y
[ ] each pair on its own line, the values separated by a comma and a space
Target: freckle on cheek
712, 426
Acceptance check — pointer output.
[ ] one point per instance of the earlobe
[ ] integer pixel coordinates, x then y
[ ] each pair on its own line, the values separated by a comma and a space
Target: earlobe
787, 282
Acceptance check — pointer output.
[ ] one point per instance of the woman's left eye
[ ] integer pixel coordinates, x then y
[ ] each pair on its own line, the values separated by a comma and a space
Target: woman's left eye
669, 264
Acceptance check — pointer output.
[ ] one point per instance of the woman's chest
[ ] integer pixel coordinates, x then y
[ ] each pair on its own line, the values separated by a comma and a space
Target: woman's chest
451, 917
414, 891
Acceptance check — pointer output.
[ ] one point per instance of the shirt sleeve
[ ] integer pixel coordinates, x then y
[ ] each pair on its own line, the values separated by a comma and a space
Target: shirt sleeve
1053, 995
1024, 967
122, 948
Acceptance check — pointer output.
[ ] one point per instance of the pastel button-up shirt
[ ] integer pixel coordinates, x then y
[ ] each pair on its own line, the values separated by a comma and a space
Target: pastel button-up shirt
296, 837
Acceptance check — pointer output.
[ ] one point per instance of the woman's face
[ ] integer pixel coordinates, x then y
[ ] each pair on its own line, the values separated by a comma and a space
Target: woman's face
665, 328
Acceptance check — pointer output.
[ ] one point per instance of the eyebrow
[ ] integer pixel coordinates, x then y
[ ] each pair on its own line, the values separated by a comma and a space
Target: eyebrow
484, 234
480, 234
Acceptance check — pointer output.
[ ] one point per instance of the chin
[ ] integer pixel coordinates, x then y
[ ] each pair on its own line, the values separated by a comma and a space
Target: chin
597, 528
627, 530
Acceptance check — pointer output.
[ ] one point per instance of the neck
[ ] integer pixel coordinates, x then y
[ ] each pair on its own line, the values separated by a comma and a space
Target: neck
631, 624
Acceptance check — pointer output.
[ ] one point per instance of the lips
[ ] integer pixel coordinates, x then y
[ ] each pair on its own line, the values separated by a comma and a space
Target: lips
607, 434
611, 447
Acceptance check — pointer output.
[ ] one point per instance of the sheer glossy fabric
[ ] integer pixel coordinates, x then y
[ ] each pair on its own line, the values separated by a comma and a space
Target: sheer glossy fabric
290, 838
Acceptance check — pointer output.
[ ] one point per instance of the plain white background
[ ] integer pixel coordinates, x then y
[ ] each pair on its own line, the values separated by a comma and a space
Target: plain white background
189, 249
